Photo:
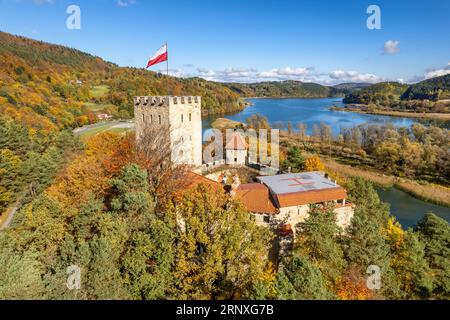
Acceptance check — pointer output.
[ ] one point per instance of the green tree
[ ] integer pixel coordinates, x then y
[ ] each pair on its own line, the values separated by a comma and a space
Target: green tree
413, 270
294, 160
317, 240
365, 242
300, 279
434, 232
20, 271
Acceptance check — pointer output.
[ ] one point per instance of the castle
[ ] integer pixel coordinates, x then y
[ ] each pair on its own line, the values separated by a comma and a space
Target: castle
281, 200
177, 117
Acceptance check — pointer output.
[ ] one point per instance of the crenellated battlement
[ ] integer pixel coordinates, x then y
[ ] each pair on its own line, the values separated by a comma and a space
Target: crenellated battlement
180, 118
159, 101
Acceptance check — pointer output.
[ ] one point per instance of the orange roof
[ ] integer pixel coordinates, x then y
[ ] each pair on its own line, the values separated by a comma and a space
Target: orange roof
256, 198
309, 197
237, 142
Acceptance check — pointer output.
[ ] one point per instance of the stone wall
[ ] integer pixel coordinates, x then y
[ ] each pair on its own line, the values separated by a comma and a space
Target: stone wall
297, 214
180, 118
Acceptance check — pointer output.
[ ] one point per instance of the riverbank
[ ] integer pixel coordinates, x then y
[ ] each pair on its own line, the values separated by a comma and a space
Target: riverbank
429, 192
398, 114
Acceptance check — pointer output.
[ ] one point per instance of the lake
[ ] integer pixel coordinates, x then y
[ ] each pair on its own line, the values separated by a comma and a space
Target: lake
406, 208
310, 112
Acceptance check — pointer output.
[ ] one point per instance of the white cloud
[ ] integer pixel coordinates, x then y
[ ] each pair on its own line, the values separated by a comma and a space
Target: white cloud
304, 74
391, 47
285, 73
353, 76
437, 72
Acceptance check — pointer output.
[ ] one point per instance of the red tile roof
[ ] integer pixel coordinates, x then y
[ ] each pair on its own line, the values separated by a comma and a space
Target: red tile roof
312, 196
256, 198
192, 179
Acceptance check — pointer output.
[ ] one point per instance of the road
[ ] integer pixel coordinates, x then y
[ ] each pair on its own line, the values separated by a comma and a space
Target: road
10, 216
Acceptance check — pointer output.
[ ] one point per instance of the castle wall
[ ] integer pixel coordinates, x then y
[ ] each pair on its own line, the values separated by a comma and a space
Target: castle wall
297, 214
179, 118
186, 129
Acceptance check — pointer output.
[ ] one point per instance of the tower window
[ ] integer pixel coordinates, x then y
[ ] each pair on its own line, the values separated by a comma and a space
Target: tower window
159, 119
181, 118
143, 117
190, 117
151, 118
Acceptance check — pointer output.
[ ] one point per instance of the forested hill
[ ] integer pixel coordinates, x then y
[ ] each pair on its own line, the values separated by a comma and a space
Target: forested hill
386, 93
48, 87
432, 89
377, 93
278, 89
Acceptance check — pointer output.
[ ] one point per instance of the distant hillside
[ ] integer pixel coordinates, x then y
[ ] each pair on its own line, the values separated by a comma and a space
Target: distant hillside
386, 93
432, 89
279, 89
380, 93
49, 87
352, 85
347, 88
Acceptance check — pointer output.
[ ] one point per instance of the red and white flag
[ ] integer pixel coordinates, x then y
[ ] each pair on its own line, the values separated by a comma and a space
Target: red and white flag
160, 56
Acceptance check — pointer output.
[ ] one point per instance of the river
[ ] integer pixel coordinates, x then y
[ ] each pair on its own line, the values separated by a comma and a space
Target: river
407, 209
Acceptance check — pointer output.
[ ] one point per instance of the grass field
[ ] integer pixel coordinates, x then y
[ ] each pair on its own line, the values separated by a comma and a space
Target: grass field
95, 107
99, 91
427, 191
115, 126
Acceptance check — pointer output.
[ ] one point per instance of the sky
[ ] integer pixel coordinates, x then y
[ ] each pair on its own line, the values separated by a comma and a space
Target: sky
327, 42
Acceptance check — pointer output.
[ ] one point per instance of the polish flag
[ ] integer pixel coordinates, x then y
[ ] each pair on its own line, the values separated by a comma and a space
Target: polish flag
160, 56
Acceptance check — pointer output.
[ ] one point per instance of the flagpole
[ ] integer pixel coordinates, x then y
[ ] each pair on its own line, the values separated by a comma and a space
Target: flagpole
167, 68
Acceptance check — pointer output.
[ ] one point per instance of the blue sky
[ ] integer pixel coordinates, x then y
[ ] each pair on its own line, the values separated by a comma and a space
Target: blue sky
251, 40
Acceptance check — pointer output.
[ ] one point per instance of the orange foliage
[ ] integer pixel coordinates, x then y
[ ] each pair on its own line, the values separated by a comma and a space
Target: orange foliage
87, 175
125, 153
352, 286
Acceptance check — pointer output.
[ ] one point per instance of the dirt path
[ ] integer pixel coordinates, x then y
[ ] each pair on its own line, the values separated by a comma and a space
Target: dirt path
10, 215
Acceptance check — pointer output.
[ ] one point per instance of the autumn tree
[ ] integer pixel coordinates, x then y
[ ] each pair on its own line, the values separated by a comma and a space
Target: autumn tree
220, 251
314, 164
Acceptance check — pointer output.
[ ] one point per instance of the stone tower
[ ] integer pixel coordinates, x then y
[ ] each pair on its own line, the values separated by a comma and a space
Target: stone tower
179, 118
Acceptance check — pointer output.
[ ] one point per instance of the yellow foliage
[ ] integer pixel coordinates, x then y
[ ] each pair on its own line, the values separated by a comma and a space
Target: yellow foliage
269, 277
314, 164
394, 234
